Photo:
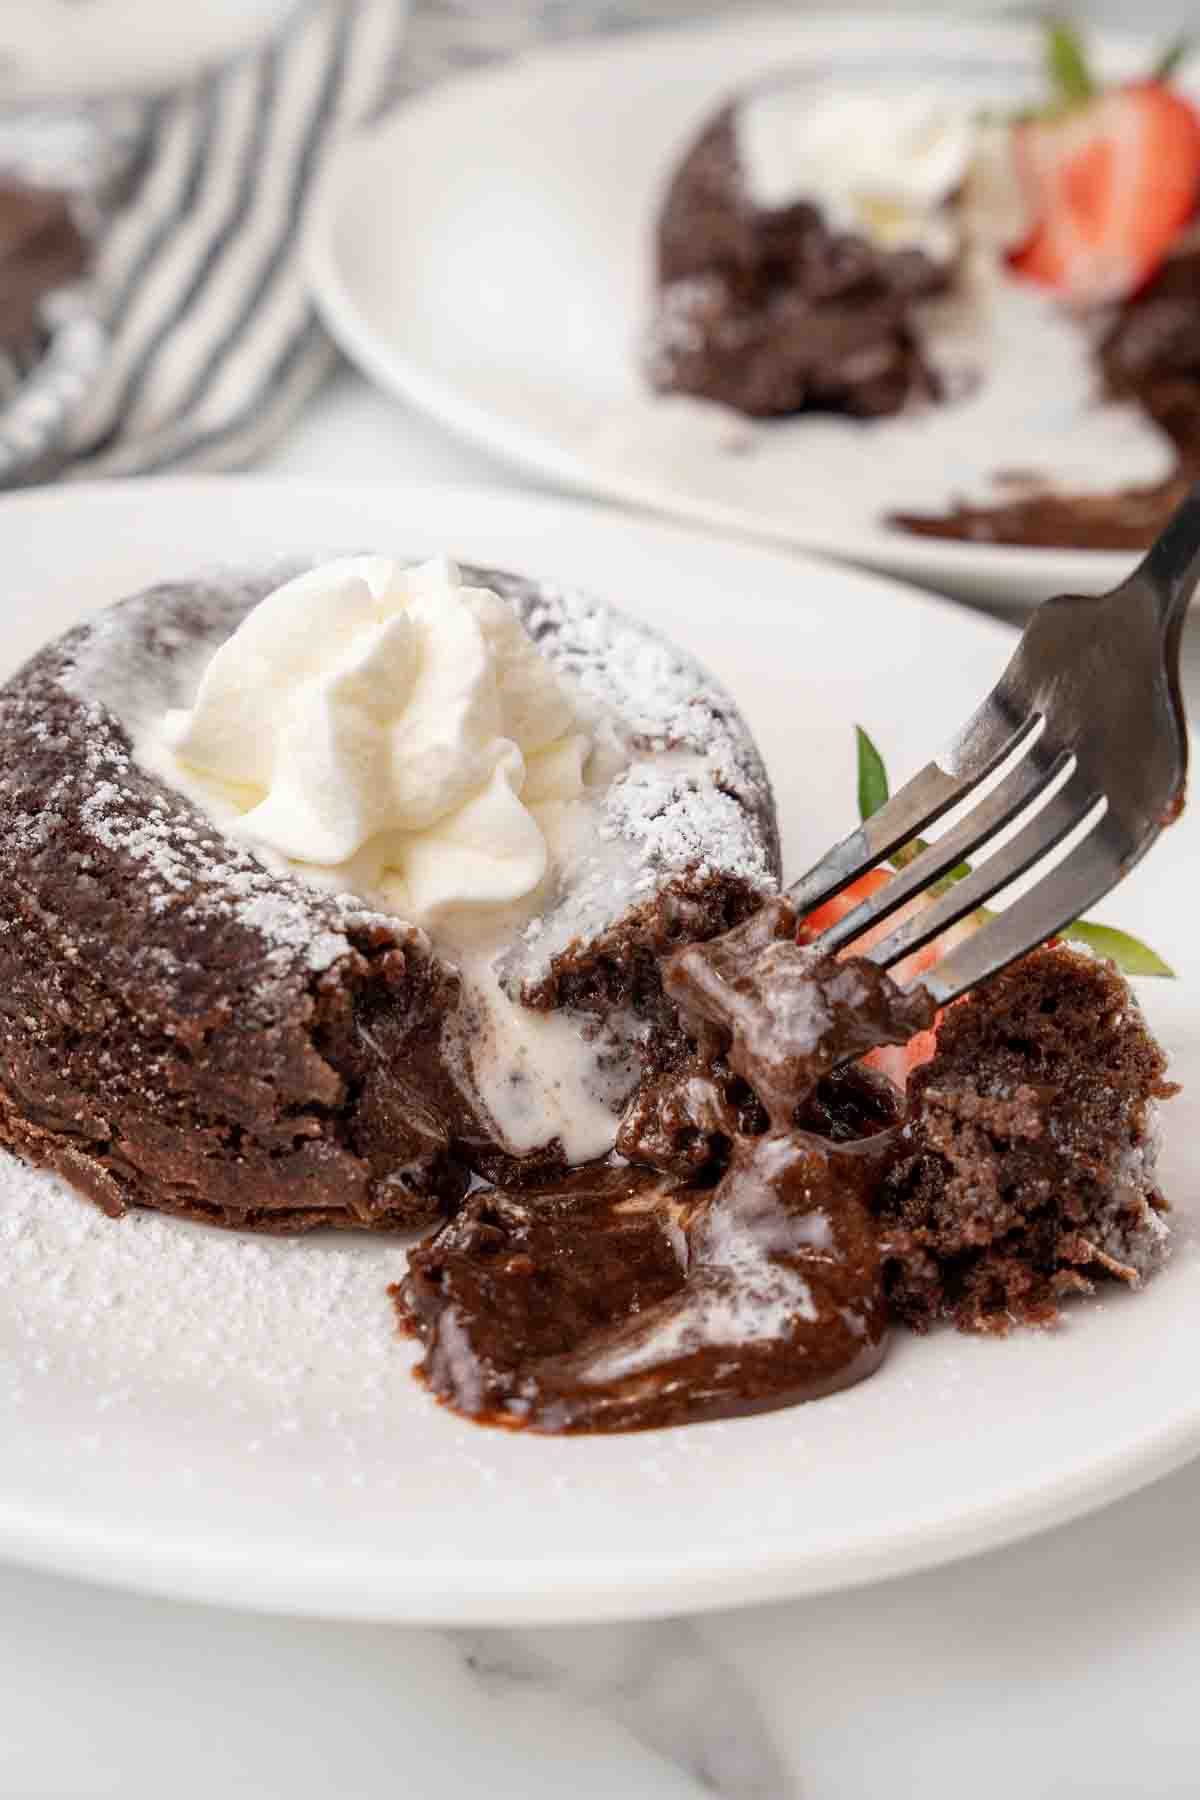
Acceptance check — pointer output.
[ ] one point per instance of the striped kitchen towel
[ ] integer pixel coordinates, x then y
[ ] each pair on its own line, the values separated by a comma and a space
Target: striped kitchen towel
194, 343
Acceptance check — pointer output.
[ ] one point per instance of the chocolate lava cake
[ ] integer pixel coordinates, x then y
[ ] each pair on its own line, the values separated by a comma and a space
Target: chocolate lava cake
41, 249
190, 1026
185, 1027
773, 313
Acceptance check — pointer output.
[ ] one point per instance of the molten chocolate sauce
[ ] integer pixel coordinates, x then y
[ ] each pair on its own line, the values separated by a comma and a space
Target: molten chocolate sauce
731, 1265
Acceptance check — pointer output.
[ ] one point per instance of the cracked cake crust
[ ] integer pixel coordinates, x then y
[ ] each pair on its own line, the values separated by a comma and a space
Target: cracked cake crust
183, 1026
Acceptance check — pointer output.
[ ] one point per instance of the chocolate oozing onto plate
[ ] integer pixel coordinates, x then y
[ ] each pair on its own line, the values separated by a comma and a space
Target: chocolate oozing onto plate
732, 1265
1149, 354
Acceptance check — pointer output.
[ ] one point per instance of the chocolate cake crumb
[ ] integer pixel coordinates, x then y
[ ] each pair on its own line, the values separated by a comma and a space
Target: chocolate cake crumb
1026, 1166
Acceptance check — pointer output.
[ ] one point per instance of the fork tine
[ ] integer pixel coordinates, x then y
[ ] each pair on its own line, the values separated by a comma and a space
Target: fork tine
1082, 878
920, 802
1055, 821
1010, 797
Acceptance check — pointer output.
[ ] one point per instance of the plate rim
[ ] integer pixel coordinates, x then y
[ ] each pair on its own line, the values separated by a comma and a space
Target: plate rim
447, 1592
1024, 573
216, 1568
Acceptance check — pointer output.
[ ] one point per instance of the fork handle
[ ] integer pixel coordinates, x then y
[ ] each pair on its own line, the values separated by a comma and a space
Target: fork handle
1171, 566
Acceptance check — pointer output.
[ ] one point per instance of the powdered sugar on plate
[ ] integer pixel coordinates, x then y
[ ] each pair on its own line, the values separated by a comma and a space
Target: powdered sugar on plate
278, 1328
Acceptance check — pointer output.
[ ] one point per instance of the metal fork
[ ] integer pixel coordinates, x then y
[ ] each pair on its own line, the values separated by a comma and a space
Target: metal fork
1091, 714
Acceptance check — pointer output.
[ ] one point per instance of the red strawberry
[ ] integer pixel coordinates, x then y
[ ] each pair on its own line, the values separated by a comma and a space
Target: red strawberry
1110, 183
895, 1060
1135, 958
830, 911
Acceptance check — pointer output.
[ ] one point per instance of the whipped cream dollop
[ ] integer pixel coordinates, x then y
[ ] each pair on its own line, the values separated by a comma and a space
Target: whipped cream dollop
880, 163
392, 731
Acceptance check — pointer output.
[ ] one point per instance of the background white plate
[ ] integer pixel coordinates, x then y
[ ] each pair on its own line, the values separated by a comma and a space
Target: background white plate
486, 254
205, 1414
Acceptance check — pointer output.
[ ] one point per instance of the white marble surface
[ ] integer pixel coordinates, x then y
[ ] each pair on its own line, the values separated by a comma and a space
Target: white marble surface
1067, 1666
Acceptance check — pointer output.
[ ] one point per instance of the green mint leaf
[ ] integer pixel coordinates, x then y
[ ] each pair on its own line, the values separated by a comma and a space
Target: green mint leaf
909, 852
1066, 64
1167, 66
958, 873
873, 789
1131, 956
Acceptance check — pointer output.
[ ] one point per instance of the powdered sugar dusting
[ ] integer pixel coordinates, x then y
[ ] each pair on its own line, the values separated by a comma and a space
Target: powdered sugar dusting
678, 786
163, 837
692, 795
124, 662
674, 329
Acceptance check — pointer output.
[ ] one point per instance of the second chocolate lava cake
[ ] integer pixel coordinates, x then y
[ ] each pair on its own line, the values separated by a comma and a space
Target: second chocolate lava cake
771, 311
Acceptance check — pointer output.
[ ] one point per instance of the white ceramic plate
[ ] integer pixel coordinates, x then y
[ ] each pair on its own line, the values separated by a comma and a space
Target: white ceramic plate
486, 254
212, 1415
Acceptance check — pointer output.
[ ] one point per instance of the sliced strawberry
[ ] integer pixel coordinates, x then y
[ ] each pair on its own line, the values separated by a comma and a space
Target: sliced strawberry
897, 1061
1129, 954
831, 911
1109, 183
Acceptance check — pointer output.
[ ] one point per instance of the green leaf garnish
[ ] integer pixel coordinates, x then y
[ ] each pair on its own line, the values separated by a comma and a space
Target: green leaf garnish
1131, 956
1168, 63
1066, 64
905, 854
873, 789
958, 873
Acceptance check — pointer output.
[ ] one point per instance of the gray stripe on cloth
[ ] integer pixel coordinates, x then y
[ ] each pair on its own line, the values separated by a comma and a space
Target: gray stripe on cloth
206, 258
144, 228
304, 362
230, 339
297, 372
275, 261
